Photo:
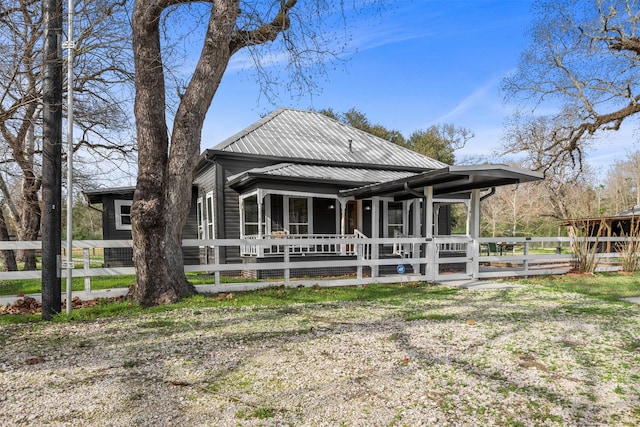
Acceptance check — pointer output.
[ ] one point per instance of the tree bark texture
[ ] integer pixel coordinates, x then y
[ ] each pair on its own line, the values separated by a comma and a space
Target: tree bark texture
148, 222
28, 225
8, 257
166, 167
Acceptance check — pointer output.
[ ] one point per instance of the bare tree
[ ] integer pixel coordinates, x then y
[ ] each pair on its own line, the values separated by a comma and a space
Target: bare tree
167, 161
565, 185
622, 184
102, 51
583, 59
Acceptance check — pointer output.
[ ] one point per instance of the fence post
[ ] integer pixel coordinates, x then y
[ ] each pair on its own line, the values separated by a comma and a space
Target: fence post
216, 262
359, 250
87, 268
526, 253
286, 264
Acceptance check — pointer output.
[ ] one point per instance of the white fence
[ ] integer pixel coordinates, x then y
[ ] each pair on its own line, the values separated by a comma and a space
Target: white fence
372, 260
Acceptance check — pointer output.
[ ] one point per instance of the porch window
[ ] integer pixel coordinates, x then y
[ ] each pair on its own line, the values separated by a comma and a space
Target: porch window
251, 216
123, 214
298, 215
395, 214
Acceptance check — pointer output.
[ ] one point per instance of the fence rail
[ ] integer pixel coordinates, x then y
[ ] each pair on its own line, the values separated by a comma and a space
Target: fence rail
371, 259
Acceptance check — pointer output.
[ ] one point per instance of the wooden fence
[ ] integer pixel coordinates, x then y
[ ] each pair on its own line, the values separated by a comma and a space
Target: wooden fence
422, 259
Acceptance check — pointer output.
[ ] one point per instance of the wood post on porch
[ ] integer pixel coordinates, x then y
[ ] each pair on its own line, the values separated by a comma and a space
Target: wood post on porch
427, 220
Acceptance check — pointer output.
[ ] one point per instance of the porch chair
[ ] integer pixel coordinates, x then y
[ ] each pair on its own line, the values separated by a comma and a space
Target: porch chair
492, 247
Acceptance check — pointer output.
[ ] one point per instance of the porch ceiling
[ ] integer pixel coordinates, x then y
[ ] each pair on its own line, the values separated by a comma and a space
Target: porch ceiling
446, 181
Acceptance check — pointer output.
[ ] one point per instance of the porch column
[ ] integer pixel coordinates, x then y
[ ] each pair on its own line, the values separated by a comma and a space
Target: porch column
415, 248
473, 225
343, 223
259, 200
417, 232
375, 233
343, 217
427, 220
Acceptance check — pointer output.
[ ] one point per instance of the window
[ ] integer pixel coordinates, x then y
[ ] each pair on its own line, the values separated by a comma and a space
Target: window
200, 218
298, 215
209, 217
395, 214
123, 214
251, 216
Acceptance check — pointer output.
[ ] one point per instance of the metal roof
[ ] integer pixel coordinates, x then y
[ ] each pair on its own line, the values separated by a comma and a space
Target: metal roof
334, 174
450, 180
297, 135
95, 196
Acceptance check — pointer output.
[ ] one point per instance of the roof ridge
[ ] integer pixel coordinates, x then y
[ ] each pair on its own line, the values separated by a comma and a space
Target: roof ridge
303, 135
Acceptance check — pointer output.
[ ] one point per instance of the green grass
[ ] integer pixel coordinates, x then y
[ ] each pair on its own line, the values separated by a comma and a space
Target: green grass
33, 286
270, 297
605, 286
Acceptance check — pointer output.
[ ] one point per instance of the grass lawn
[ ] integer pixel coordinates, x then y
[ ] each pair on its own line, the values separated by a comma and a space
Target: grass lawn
606, 286
611, 287
33, 286
562, 351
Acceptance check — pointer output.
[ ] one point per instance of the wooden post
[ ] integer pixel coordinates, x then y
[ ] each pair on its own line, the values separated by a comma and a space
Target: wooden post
87, 269
473, 218
375, 233
430, 252
52, 159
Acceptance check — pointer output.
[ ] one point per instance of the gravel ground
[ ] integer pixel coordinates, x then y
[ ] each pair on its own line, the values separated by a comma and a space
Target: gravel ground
466, 358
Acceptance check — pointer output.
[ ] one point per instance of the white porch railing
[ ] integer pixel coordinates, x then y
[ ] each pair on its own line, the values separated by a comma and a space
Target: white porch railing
303, 244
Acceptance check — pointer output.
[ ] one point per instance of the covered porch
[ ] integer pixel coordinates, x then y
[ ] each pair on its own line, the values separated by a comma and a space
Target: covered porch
443, 203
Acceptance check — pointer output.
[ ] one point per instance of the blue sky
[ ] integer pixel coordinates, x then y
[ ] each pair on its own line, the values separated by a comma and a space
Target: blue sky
425, 62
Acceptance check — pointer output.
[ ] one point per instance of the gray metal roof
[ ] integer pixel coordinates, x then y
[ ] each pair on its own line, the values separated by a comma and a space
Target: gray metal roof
344, 175
95, 196
312, 136
450, 180
634, 211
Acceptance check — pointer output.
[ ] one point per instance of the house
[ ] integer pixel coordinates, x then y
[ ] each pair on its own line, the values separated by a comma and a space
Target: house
298, 173
116, 224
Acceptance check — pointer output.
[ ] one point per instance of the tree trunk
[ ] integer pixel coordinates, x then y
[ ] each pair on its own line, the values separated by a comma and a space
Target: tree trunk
8, 257
163, 192
153, 285
28, 226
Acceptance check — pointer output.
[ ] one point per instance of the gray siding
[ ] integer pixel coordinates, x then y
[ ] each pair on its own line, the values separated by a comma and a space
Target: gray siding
123, 257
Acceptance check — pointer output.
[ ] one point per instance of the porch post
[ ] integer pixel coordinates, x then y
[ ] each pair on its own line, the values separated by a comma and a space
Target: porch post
343, 224
431, 253
375, 233
259, 197
473, 221
416, 232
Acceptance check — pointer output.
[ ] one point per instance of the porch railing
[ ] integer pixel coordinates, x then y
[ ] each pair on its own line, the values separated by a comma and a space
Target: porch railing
303, 244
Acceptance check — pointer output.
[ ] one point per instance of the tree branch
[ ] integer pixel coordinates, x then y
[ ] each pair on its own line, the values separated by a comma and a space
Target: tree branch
266, 32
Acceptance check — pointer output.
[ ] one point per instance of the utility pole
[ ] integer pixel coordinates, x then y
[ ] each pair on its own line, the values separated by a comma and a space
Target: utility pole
52, 160
70, 46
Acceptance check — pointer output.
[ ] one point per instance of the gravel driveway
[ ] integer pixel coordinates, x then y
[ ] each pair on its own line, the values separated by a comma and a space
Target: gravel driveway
491, 357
